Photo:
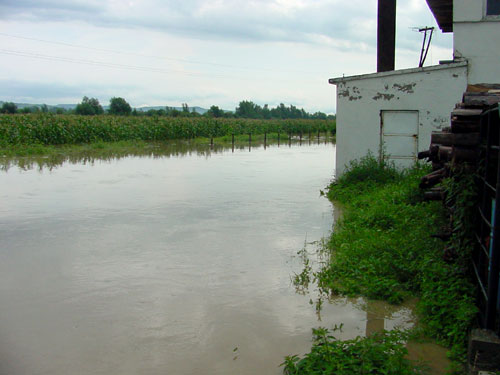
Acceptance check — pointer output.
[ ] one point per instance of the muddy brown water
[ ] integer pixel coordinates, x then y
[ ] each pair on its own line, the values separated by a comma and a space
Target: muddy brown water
166, 263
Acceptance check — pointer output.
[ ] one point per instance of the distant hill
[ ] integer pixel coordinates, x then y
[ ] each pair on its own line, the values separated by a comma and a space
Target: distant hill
199, 110
68, 107
65, 106
29, 105
24, 105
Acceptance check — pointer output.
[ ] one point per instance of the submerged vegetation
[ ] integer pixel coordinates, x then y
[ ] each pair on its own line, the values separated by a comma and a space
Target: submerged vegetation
48, 129
382, 249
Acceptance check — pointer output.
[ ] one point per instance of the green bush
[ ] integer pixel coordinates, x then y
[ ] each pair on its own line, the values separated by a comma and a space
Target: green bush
380, 353
361, 176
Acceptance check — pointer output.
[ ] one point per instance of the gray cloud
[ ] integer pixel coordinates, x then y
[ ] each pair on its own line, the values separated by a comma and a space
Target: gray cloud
297, 29
245, 21
333, 23
53, 10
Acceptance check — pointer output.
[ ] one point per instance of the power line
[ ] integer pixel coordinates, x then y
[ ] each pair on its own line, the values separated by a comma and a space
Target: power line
152, 56
119, 66
93, 62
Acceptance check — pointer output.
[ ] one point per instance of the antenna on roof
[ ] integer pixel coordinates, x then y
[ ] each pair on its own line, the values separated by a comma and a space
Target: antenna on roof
425, 47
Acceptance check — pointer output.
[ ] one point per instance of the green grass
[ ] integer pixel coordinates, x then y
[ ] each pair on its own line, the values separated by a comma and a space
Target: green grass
382, 249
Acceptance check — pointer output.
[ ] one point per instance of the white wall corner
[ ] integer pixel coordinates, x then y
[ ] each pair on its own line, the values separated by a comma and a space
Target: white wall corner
468, 10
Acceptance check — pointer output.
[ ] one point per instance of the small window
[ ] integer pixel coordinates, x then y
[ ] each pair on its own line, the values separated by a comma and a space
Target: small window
493, 7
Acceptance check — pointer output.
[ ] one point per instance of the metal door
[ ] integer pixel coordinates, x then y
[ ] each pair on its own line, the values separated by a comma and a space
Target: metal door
399, 137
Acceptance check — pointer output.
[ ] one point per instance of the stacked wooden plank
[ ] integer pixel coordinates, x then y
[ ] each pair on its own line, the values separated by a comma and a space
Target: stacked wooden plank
458, 144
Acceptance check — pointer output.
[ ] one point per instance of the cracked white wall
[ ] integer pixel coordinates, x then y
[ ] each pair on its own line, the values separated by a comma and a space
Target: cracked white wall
433, 92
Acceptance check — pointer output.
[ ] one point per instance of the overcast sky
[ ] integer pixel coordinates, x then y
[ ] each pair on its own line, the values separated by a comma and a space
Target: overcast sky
217, 52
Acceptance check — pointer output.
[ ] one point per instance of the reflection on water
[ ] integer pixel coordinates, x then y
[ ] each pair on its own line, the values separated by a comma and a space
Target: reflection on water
381, 316
167, 262
178, 148
174, 149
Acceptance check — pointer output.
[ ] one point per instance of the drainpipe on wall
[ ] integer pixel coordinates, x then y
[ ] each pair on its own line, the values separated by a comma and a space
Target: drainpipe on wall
386, 35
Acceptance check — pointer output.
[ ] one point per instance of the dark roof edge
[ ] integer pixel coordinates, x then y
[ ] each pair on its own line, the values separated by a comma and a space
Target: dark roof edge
454, 65
443, 13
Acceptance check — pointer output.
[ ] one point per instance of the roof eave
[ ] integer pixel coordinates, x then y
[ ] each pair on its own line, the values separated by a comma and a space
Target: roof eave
443, 13
425, 69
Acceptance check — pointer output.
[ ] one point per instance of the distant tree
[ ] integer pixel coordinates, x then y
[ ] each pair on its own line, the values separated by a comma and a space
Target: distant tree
89, 107
8, 107
186, 112
279, 111
32, 109
215, 111
119, 106
173, 112
266, 113
319, 116
57, 110
248, 109
44, 108
156, 112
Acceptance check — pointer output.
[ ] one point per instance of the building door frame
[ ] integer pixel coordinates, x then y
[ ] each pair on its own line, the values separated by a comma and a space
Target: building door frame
399, 136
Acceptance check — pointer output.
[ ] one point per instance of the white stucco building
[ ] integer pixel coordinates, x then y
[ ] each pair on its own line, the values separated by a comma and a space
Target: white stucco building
393, 113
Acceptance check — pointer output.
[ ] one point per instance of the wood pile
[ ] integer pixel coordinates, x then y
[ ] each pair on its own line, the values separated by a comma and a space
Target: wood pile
458, 144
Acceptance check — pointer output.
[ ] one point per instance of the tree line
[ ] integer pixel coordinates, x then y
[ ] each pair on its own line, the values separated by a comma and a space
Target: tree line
119, 106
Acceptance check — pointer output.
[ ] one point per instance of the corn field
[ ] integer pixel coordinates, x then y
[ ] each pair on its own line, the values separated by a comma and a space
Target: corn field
47, 129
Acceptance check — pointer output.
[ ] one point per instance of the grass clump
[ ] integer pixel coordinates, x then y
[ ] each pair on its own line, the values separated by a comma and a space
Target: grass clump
382, 249
361, 176
380, 353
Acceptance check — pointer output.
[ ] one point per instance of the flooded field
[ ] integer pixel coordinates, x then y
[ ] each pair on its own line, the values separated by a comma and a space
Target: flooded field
175, 261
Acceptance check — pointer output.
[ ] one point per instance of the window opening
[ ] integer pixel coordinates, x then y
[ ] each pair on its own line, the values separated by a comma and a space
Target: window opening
493, 8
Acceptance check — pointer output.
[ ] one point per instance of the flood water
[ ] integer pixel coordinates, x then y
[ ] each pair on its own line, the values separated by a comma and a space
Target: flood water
173, 262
